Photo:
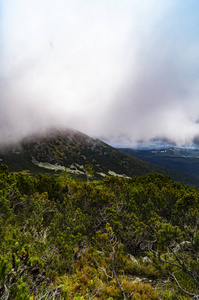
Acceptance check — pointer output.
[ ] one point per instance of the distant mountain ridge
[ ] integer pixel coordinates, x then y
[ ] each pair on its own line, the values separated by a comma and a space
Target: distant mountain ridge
183, 160
72, 150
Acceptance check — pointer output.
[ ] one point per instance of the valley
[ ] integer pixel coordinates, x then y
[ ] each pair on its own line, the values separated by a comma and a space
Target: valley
179, 159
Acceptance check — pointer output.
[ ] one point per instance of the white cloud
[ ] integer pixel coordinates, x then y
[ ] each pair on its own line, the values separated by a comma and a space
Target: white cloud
109, 68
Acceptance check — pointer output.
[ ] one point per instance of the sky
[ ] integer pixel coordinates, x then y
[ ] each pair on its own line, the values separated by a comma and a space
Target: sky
122, 71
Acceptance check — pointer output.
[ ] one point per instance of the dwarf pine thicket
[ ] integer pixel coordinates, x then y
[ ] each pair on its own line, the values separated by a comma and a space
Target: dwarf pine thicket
113, 239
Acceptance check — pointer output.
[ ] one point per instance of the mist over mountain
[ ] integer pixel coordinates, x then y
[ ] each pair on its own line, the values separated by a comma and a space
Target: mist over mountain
121, 71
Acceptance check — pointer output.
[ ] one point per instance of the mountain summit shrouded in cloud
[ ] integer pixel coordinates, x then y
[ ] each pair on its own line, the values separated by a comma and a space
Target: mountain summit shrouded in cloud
121, 70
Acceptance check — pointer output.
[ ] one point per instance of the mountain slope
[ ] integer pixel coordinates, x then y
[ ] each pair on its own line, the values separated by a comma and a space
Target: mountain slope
72, 150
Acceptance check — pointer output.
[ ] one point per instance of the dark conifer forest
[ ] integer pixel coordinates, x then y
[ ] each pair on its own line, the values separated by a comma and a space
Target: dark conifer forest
118, 238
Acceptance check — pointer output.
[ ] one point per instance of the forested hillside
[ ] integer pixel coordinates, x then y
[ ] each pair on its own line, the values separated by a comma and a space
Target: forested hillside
69, 149
118, 238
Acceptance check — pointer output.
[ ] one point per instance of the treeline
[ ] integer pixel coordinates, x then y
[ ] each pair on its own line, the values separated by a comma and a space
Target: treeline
113, 239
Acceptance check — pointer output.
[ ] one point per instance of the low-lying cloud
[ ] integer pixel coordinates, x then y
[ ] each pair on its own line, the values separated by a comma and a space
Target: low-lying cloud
123, 71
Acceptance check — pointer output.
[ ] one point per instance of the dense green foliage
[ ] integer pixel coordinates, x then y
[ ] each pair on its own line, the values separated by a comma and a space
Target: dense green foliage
113, 239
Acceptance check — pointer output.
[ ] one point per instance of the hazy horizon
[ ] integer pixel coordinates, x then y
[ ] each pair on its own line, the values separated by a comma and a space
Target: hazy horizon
122, 71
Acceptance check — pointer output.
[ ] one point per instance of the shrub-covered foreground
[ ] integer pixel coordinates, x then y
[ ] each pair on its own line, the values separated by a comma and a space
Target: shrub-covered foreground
114, 239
